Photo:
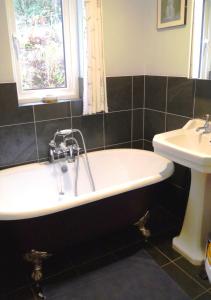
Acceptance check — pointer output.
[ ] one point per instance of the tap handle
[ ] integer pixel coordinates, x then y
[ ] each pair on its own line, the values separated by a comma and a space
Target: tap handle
207, 116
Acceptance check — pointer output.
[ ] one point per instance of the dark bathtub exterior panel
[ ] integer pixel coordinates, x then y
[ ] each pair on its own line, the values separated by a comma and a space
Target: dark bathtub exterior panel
71, 227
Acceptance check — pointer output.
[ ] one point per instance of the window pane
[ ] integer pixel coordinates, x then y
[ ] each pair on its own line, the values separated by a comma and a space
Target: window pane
39, 28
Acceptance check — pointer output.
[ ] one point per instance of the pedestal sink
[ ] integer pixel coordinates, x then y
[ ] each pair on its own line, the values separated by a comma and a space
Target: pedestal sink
191, 148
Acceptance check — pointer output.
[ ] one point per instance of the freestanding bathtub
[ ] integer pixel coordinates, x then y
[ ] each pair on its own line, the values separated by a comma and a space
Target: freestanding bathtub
35, 214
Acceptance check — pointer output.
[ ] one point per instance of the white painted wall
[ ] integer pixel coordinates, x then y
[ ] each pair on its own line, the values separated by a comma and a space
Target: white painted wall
124, 37
168, 50
133, 45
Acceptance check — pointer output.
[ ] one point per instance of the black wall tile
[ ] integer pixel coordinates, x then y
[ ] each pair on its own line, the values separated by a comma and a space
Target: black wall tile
154, 123
155, 92
137, 144
148, 146
45, 132
203, 98
137, 124
123, 145
10, 113
91, 128
175, 122
138, 91
52, 111
180, 96
76, 107
17, 144
119, 93
181, 176
118, 127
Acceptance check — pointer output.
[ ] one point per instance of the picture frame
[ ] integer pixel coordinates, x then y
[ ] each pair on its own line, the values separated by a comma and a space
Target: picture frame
171, 13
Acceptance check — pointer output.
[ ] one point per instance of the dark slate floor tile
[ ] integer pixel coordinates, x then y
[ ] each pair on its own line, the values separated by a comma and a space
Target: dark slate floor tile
185, 282
156, 255
154, 123
180, 96
52, 111
76, 107
138, 91
175, 122
20, 294
119, 93
18, 144
118, 127
92, 129
193, 271
202, 98
10, 113
205, 296
137, 124
165, 246
155, 92
46, 131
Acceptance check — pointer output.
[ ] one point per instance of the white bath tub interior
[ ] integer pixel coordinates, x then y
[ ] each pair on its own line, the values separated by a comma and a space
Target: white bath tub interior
35, 190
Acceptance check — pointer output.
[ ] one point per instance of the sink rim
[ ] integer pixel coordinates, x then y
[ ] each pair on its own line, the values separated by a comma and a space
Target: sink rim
191, 158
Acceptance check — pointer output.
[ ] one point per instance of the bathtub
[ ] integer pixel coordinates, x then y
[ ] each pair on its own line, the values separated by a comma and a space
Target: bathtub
37, 215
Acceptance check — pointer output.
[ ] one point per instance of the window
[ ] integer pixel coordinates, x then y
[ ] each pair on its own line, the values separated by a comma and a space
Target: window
44, 48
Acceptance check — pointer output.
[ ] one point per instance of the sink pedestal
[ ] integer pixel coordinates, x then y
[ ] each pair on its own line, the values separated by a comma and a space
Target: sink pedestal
191, 243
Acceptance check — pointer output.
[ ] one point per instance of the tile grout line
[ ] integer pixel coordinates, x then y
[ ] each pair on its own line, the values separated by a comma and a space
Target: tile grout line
187, 274
170, 261
71, 116
194, 99
144, 100
166, 102
197, 297
35, 131
16, 124
131, 133
104, 136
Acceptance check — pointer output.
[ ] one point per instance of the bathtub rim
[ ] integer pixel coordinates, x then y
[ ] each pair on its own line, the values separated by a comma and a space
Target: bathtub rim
92, 196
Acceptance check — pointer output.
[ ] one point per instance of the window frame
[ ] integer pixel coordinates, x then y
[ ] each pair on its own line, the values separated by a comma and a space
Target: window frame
70, 31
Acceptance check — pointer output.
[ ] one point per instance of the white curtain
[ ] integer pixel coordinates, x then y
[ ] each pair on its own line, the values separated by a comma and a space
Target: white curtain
94, 81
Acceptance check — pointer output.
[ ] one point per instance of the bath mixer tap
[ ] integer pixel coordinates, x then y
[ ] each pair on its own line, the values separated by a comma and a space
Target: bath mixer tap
66, 148
207, 127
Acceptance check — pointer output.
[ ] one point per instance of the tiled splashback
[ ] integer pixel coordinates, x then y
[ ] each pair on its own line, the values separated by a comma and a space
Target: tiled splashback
26, 131
139, 107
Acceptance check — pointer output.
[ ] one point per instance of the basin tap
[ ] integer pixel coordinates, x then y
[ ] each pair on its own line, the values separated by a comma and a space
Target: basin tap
206, 128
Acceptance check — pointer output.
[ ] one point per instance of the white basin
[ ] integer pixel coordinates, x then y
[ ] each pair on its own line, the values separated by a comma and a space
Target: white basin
186, 146
191, 148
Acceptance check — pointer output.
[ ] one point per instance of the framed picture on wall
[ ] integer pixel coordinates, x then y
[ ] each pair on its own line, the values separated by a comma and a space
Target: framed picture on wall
171, 13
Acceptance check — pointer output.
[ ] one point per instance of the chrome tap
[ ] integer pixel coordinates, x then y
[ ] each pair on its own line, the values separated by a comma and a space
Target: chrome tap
207, 127
66, 148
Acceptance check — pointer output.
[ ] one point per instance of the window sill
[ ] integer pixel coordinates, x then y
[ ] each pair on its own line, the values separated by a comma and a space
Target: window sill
33, 103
